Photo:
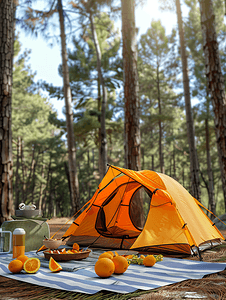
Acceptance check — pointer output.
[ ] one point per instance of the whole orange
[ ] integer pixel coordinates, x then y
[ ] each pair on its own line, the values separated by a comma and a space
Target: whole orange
149, 261
22, 258
104, 267
15, 266
106, 255
121, 264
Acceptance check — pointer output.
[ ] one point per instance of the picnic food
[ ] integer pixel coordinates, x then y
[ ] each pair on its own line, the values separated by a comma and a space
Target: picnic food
106, 254
104, 267
15, 266
63, 251
121, 264
158, 257
111, 253
54, 266
75, 246
32, 265
52, 243
22, 258
135, 259
149, 261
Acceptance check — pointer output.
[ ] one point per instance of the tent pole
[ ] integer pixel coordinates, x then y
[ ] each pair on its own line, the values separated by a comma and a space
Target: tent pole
199, 253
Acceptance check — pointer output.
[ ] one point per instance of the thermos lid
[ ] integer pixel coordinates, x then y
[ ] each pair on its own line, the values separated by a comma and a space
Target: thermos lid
19, 231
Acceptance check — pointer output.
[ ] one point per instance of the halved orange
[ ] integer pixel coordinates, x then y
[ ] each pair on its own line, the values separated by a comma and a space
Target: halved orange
54, 266
32, 265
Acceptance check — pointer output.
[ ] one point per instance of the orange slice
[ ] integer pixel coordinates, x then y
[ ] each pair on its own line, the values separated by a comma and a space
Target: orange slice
54, 266
32, 265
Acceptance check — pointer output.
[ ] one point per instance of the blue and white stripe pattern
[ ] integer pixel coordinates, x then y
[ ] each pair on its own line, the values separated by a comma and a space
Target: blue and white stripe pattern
79, 276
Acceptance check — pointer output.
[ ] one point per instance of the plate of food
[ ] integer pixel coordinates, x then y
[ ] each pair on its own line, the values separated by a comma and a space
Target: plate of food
65, 255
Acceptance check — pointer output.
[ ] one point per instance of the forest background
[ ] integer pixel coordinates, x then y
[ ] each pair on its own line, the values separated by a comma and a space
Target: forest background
40, 158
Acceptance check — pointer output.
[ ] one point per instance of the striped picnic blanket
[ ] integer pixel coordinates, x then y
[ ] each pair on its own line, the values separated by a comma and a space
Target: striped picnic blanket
79, 276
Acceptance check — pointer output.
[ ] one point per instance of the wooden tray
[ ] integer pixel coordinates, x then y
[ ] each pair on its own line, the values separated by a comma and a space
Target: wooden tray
67, 256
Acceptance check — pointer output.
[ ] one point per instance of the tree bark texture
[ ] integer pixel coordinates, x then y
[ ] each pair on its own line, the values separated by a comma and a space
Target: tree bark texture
132, 126
17, 176
6, 61
161, 161
103, 135
194, 168
69, 116
215, 82
212, 202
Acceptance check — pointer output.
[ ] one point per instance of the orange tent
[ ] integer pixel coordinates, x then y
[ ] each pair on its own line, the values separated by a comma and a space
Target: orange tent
175, 224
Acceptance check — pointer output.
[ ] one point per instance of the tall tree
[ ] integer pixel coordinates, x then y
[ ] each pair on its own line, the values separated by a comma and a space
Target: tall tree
215, 82
193, 35
132, 126
156, 57
103, 136
39, 21
74, 185
194, 168
6, 62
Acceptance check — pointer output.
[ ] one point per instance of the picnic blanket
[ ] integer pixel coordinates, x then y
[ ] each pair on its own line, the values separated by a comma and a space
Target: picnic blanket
79, 276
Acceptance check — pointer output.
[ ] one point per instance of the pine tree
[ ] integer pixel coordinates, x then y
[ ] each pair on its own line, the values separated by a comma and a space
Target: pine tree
157, 56
38, 21
6, 62
132, 126
215, 81
194, 167
38, 150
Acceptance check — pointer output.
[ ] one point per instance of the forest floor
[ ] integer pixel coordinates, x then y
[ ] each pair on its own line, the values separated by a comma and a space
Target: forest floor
210, 287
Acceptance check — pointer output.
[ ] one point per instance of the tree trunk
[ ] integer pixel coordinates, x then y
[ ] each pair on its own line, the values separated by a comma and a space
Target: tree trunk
6, 62
194, 168
132, 126
174, 162
44, 206
212, 203
42, 185
68, 177
33, 175
17, 179
103, 135
24, 183
50, 202
69, 116
162, 170
152, 162
215, 82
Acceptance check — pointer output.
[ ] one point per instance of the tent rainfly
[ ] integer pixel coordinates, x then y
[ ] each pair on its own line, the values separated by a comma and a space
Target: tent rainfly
175, 224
